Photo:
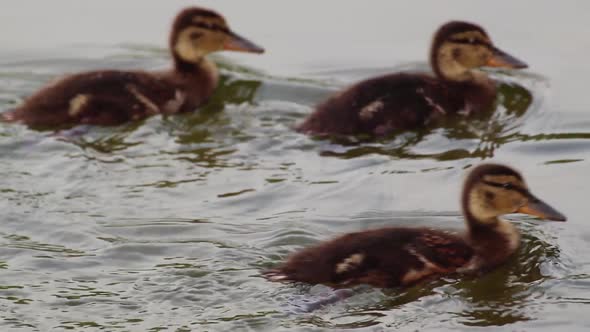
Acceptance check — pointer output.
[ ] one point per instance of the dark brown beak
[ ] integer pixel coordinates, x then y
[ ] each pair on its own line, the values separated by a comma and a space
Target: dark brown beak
238, 43
504, 60
538, 208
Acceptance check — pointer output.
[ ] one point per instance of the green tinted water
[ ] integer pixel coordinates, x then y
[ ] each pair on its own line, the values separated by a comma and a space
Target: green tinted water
165, 224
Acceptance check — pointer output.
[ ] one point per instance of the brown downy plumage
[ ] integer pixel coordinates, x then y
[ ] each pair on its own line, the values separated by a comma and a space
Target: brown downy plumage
397, 256
386, 104
109, 97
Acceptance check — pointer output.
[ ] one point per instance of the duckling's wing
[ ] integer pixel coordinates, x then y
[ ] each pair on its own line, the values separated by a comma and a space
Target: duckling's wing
401, 102
379, 106
423, 254
101, 97
386, 257
445, 250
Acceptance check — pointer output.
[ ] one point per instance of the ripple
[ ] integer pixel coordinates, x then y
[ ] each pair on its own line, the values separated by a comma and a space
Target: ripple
167, 223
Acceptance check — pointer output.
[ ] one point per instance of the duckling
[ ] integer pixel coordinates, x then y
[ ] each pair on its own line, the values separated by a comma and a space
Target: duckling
110, 97
397, 256
400, 101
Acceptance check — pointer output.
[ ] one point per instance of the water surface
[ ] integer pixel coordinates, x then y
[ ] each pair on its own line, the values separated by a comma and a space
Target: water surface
165, 224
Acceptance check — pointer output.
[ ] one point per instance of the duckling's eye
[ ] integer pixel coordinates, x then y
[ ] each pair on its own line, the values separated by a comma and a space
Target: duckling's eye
508, 186
195, 35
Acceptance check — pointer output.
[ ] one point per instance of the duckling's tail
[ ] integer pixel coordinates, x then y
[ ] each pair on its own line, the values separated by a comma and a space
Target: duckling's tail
276, 275
8, 116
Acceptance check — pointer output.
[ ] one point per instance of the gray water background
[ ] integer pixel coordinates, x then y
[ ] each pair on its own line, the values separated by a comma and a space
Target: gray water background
165, 225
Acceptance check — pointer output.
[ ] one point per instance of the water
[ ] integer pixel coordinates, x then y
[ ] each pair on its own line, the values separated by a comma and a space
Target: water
165, 224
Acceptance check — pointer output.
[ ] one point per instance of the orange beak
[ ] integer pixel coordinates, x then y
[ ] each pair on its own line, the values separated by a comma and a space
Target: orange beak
538, 208
241, 44
504, 60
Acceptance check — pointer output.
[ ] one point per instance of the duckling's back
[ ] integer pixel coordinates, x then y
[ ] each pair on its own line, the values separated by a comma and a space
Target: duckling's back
100, 97
386, 257
382, 105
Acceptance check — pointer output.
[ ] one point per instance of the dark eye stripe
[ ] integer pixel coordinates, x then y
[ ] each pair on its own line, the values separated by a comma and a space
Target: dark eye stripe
213, 27
470, 42
195, 35
507, 186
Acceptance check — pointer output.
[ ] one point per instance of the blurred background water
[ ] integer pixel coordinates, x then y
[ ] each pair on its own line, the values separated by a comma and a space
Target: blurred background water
165, 224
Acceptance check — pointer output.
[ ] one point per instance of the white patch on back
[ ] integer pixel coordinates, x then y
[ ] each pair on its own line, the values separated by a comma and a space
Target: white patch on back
413, 275
431, 102
474, 264
429, 268
466, 111
369, 111
77, 104
174, 105
149, 105
349, 263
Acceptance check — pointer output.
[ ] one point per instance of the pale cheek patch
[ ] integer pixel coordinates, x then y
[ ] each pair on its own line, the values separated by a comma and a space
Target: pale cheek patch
449, 66
477, 57
480, 207
77, 104
185, 47
349, 263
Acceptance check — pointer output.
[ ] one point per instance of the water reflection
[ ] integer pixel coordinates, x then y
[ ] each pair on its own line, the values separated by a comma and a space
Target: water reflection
261, 191
503, 296
15, 241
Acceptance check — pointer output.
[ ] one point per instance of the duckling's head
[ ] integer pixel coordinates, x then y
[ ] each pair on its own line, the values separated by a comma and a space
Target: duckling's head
460, 47
197, 32
492, 190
